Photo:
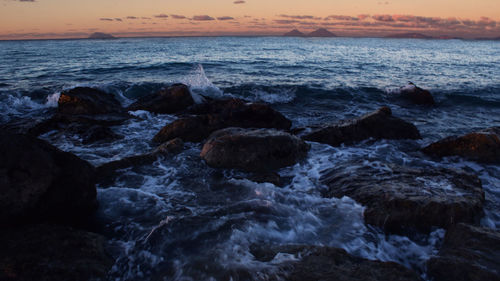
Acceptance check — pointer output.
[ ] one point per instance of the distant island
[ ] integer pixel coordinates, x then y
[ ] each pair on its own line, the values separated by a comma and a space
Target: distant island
100, 35
322, 32
294, 33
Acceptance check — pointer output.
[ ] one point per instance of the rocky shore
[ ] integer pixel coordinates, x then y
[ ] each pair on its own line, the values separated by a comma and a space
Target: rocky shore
48, 197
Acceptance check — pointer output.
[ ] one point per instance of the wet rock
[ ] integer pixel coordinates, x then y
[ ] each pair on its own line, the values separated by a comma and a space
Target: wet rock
325, 263
482, 146
416, 95
253, 149
39, 182
270, 177
172, 99
219, 114
44, 252
28, 126
87, 101
468, 253
400, 199
98, 134
379, 124
108, 170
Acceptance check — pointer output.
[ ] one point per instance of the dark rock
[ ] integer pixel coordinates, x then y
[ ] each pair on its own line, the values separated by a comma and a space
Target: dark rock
28, 126
99, 134
325, 263
294, 33
253, 149
46, 253
271, 177
468, 254
321, 32
87, 101
399, 198
416, 95
379, 124
39, 182
107, 171
190, 129
170, 100
482, 146
218, 114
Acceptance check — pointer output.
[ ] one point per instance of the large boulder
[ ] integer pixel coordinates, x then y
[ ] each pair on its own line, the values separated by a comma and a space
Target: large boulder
329, 264
468, 253
253, 149
87, 101
416, 95
379, 124
399, 199
481, 146
39, 182
172, 99
219, 114
46, 253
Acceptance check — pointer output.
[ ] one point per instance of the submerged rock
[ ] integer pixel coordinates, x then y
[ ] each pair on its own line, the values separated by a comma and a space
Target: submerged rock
39, 182
172, 99
253, 149
108, 170
482, 146
399, 198
416, 95
45, 253
219, 114
325, 263
379, 124
87, 101
468, 253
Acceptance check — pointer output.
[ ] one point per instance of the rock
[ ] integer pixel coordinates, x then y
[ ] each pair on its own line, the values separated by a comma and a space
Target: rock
107, 171
468, 254
98, 134
39, 182
482, 146
325, 263
253, 149
400, 199
219, 114
29, 126
45, 253
172, 99
271, 177
379, 124
416, 95
87, 101
189, 129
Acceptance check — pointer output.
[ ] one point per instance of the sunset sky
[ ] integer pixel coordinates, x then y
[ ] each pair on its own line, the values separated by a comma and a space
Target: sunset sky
28, 19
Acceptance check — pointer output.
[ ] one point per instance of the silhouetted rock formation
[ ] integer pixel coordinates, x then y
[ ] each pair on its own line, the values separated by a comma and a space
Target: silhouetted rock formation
379, 124
326, 263
416, 94
468, 253
172, 99
400, 198
219, 114
482, 146
253, 149
49, 252
40, 183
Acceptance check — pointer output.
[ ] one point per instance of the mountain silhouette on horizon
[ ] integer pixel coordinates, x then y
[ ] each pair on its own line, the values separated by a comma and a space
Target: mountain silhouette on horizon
101, 35
294, 33
321, 32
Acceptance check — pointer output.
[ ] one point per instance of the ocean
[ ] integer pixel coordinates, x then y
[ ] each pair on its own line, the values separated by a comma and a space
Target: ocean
182, 219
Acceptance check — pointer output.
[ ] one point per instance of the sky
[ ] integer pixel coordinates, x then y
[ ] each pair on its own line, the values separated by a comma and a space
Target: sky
42, 19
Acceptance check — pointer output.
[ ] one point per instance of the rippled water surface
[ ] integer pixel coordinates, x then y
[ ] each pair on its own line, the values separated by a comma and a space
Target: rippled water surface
182, 220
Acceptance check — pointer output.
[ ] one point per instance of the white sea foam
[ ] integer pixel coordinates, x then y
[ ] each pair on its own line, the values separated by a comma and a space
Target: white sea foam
199, 84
